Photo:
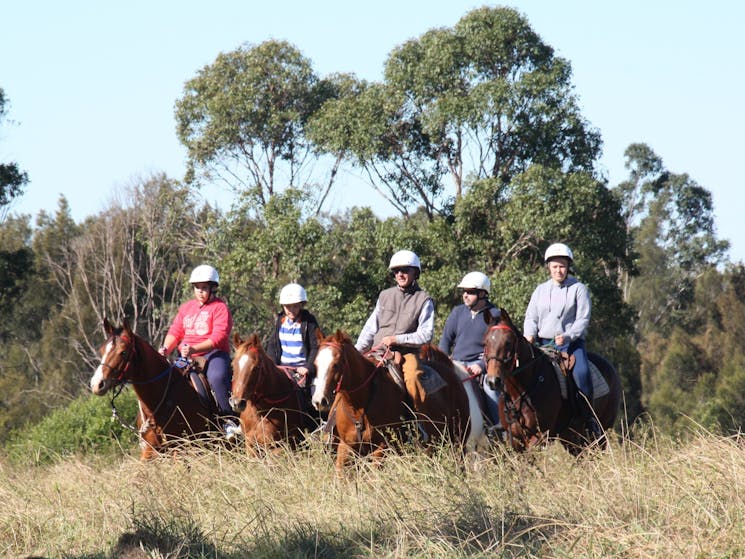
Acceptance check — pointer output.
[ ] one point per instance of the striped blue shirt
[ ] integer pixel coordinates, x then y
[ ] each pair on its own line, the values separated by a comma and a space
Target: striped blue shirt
291, 342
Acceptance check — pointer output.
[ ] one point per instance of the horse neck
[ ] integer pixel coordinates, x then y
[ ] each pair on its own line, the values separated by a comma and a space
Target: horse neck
146, 364
357, 373
274, 377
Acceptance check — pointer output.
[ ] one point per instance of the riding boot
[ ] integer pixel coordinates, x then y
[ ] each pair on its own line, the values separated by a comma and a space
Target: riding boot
592, 427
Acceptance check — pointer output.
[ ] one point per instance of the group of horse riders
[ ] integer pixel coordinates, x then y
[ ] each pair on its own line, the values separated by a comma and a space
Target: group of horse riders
402, 321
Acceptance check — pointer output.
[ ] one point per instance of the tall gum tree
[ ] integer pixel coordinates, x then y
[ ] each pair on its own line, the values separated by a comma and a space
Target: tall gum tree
242, 119
485, 98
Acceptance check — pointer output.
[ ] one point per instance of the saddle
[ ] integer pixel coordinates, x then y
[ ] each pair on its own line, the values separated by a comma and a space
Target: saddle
193, 371
427, 381
563, 364
561, 358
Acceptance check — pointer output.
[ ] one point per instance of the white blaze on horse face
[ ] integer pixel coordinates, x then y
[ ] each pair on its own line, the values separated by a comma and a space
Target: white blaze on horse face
324, 359
242, 362
99, 385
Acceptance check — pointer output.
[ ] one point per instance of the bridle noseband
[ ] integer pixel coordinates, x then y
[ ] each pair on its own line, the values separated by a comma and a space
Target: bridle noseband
118, 374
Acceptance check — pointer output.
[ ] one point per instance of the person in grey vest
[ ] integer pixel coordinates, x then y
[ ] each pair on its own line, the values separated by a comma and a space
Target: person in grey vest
403, 320
404, 315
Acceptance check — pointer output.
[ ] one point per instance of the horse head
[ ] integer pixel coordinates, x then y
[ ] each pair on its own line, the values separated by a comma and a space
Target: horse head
117, 353
501, 348
246, 369
330, 368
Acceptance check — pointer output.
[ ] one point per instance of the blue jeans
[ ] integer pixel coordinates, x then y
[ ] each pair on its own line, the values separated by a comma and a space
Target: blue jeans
491, 396
581, 370
220, 379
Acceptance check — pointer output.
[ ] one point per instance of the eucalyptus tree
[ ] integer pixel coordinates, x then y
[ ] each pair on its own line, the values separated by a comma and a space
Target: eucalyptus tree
486, 98
670, 218
242, 119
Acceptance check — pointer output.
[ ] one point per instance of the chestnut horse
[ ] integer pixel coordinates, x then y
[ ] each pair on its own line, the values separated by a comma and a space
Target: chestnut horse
531, 406
273, 407
370, 410
169, 406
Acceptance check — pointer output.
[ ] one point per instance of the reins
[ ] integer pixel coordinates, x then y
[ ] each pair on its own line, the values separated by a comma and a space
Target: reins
122, 382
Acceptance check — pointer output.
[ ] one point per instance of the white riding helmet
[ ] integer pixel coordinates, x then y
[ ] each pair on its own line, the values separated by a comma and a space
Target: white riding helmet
404, 258
292, 293
204, 272
475, 280
558, 249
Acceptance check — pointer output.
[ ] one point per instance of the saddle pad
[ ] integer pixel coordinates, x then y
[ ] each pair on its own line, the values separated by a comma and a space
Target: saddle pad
430, 380
600, 387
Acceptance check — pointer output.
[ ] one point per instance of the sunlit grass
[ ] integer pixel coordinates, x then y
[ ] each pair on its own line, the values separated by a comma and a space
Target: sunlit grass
651, 498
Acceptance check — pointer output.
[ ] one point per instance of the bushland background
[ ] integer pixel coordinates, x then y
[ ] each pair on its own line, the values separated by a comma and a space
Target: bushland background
474, 137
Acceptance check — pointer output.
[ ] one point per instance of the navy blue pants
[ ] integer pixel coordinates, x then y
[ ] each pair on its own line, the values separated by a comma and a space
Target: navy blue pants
220, 379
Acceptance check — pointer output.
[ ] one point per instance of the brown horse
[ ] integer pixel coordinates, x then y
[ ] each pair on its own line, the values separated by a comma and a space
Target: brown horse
368, 413
273, 407
531, 406
169, 406
371, 409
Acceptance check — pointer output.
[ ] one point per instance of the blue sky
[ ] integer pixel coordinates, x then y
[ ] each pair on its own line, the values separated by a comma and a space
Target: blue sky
92, 85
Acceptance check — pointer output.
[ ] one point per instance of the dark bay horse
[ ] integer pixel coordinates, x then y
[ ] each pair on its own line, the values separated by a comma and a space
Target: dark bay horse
371, 410
272, 406
531, 406
169, 406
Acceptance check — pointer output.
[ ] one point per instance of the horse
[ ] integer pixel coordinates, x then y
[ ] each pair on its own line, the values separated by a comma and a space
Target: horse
531, 406
372, 411
272, 407
169, 406
368, 413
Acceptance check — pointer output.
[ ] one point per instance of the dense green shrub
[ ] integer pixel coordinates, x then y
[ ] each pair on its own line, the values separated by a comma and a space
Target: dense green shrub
85, 426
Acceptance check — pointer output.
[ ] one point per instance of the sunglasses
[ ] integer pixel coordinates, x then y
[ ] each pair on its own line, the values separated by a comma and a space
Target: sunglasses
471, 291
402, 270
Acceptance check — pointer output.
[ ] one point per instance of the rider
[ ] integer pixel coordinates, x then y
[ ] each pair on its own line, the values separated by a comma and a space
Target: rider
294, 340
559, 313
404, 315
463, 335
202, 328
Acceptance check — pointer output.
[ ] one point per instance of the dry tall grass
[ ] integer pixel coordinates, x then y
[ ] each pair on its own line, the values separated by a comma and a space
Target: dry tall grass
648, 498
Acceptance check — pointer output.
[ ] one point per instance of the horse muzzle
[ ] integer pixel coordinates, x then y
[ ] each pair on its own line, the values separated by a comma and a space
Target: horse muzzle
321, 403
100, 385
495, 383
238, 404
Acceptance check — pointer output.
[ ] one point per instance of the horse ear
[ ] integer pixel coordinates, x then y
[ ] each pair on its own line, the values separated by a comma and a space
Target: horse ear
125, 326
319, 335
339, 336
108, 329
504, 317
236, 339
254, 340
488, 318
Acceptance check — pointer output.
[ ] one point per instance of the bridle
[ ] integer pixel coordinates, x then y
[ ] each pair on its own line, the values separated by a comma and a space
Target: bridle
256, 394
514, 408
118, 374
344, 361
120, 380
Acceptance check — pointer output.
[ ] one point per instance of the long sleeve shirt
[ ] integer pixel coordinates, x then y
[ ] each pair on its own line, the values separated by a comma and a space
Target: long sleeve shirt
195, 323
463, 335
558, 309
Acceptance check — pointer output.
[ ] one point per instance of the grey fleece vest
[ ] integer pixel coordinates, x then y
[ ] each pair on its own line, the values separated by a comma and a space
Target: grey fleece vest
399, 311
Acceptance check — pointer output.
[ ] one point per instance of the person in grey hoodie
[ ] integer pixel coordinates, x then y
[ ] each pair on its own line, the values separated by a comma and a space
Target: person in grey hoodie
559, 313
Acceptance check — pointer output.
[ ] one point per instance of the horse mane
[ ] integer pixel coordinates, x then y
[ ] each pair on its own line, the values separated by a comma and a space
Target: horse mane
242, 346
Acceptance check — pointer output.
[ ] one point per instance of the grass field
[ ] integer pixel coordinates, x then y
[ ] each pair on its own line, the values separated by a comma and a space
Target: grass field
647, 498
